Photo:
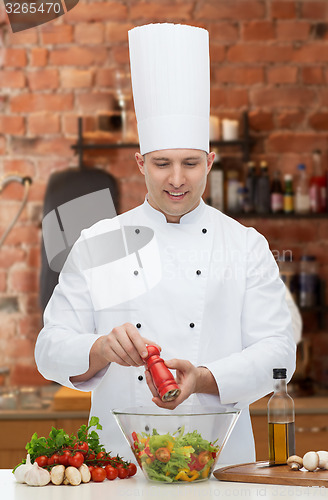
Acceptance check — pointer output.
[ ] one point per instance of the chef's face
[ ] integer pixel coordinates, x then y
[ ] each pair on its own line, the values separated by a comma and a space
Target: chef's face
175, 179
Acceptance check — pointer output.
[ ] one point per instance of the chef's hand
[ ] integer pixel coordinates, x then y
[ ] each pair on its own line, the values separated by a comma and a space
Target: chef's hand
124, 346
190, 379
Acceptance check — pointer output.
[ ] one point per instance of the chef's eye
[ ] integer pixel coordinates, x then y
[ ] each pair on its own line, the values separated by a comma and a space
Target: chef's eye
190, 164
161, 164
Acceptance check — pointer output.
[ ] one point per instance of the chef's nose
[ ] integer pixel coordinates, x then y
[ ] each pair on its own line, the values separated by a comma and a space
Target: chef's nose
177, 177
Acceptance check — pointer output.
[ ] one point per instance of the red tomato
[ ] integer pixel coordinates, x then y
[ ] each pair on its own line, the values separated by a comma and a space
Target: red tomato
91, 456
82, 446
132, 469
122, 472
103, 458
54, 459
76, 460
91, 467
204, 457
42, 461
111, 472
163, 455
98, 474
63, 459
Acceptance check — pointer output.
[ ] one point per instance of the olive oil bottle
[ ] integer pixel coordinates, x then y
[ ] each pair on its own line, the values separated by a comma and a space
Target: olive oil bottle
281, 420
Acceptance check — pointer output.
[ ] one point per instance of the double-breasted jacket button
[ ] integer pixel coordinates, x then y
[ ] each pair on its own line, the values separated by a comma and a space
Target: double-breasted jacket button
204, 230
192, 325
198, 272
136, 273
138, 325
140, 377
137, 231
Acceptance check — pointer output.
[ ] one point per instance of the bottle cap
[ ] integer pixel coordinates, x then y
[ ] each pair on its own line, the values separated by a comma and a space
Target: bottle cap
279, 373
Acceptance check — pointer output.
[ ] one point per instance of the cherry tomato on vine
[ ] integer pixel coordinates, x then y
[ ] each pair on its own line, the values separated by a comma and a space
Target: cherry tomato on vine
91, 456
132, 469
42, 461
98, 474
82, 446
111, 472
63, 459
122, 472
76, 460
91, 467
54, 459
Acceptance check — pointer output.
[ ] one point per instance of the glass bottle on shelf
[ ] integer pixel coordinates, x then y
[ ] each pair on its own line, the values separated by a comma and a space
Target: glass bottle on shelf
281, 420
277, 195
318, 187
302, 195
262, 204
233, 185
250, 185
216, 176
308, 281
288, 194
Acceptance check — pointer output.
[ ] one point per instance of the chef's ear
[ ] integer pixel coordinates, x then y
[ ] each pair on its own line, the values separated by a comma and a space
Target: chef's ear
140, 162
210, 160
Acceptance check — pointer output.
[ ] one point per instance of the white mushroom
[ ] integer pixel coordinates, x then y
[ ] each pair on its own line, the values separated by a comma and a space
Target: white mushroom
311, 460
323, 459
57, 474
85, 473
72, 476
295, 462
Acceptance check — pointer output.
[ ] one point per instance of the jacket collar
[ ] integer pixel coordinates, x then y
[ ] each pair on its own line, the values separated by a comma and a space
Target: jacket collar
190, 218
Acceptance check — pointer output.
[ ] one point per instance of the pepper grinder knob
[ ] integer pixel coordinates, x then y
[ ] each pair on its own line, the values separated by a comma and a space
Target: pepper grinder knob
163, 379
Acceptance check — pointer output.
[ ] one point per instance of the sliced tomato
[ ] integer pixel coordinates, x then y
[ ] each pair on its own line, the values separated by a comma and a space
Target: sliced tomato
204, 457
163, 455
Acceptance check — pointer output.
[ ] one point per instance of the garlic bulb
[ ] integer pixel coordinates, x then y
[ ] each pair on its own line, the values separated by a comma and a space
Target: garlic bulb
37, 476
22, 470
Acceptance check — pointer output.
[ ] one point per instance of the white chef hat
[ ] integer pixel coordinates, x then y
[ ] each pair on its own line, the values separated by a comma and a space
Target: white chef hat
170, 74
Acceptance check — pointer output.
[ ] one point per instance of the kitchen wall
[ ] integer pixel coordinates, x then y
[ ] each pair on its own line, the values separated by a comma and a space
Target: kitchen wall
267, 56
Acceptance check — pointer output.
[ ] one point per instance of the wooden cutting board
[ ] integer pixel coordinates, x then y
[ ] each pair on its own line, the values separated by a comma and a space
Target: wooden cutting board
67, 399
282, 474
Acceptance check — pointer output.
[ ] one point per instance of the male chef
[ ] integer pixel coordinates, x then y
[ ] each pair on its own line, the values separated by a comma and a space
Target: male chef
173, 271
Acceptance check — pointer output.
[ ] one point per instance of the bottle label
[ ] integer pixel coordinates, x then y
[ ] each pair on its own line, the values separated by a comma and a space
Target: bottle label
277, 202
288, 203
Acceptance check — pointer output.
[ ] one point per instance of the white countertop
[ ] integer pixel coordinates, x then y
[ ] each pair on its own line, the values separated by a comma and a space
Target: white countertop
138, 487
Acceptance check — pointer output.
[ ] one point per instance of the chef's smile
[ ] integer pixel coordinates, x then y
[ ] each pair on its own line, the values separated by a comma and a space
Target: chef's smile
175, 179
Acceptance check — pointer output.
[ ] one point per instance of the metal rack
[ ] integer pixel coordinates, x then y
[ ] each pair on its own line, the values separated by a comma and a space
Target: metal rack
244, 144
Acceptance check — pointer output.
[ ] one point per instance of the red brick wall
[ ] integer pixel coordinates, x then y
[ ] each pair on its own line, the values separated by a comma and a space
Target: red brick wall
267, 56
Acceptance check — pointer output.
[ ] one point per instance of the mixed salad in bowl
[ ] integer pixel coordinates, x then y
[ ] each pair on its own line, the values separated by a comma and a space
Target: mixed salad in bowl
174, 457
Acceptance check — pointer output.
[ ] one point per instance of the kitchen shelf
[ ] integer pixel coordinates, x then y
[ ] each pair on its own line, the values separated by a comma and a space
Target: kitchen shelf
80, 146
254, 215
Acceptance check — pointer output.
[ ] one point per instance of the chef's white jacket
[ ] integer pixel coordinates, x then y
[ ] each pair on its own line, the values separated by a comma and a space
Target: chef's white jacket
207, 290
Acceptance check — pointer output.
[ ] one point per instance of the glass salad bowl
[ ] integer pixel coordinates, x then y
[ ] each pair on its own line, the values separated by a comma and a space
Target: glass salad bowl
176, 446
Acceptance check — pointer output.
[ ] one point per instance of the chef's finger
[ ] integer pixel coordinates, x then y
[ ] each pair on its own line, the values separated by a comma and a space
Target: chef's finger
150, 384
122, 346
151, 342
177, 364
138, 342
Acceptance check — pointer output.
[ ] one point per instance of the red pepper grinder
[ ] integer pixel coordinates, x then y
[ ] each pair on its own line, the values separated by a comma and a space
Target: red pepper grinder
163, 379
